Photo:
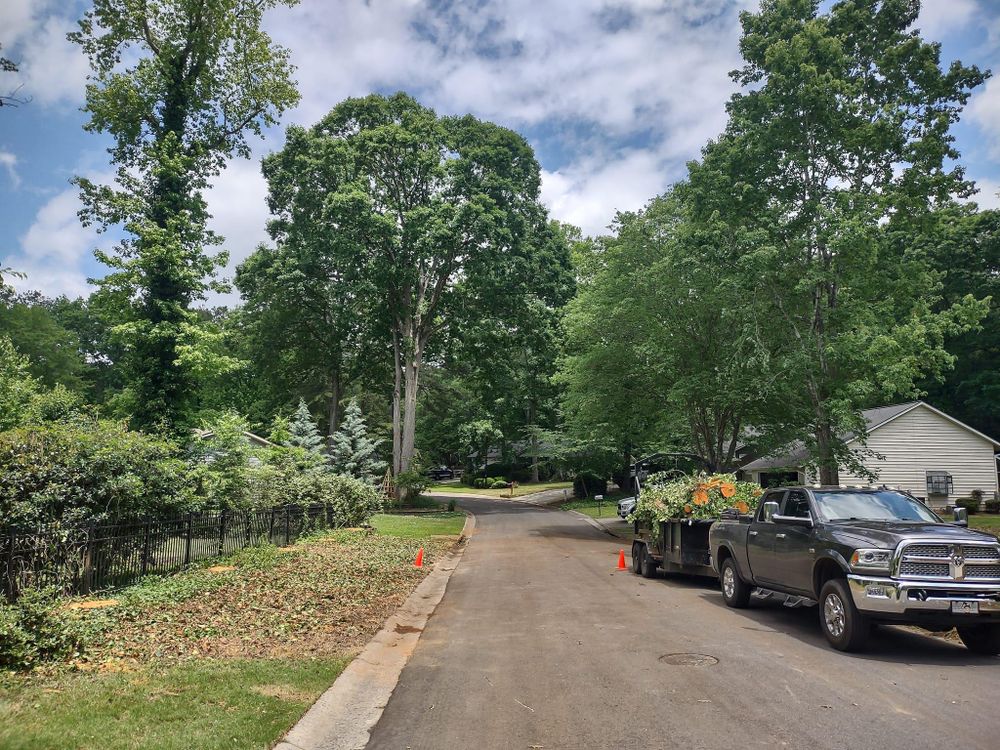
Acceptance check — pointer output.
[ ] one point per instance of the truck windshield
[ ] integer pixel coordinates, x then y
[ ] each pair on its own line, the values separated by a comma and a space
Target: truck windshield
847, 505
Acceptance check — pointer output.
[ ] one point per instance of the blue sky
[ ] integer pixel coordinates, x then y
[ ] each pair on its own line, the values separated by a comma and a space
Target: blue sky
615, 96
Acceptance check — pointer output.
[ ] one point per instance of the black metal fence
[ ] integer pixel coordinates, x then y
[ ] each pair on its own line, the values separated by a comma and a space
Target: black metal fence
83, 559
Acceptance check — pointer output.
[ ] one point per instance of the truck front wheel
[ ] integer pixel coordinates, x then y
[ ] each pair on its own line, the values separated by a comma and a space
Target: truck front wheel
844, 626
735, 591
981, 639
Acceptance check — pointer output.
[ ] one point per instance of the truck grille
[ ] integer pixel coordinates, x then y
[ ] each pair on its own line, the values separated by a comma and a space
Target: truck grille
924, 569
957, 562
982, 571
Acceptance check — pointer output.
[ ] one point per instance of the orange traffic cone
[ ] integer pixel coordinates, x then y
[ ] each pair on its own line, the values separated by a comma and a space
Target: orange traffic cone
419, 562
621, 559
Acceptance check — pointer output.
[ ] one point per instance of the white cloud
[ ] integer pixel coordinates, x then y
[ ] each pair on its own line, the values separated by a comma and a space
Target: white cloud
52, 70
53, 250
984, 110
587, 194
239, 213
988, 196
9, 162
939, 18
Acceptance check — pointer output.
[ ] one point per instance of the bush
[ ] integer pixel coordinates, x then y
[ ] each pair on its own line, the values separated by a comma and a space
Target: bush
411, 483
36, 630
993, 506
499, 483
451, 505
480, 483
969, 503
88, 470
588, 484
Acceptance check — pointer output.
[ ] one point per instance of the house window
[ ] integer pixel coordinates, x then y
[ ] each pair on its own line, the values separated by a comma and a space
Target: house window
939, 483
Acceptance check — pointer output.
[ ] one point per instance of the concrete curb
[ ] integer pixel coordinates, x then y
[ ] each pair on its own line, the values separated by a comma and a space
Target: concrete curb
343, 717
596, 524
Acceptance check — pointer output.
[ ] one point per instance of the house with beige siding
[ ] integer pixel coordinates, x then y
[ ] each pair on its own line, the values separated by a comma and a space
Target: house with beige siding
912, 446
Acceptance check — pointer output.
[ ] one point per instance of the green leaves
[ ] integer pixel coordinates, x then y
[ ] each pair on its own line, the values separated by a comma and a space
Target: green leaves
199, 77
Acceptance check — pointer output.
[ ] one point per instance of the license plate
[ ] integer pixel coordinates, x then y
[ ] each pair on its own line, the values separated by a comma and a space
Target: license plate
965, 608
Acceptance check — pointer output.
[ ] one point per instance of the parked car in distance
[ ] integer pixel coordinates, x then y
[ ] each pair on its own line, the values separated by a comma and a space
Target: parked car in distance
864, 555
625, 506
438, 473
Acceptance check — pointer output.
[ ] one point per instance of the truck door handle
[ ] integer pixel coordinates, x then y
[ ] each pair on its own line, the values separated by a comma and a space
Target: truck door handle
753, 533
779, 536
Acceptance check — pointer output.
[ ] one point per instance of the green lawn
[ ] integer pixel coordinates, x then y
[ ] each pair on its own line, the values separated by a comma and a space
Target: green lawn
522, 489
986, 522
416, 526
203, 704
229, 659
608, 508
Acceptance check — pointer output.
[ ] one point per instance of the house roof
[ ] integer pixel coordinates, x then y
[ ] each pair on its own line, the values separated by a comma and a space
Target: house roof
874, 419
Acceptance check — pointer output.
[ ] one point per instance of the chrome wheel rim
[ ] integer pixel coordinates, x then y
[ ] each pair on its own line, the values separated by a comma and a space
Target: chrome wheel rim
729, 582
833, 613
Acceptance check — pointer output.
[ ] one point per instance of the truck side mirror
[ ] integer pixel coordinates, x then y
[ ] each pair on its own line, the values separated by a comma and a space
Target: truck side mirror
770, 509
961, 516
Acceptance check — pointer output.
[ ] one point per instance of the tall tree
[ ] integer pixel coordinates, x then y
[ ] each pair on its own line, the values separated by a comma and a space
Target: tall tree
840, 144
967, 253
434, 214
179, 85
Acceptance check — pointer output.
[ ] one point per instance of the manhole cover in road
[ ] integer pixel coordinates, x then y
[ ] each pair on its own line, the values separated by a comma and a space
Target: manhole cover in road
689, 660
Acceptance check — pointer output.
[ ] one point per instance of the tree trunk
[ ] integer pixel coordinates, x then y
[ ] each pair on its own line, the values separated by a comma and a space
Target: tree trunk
829, 473
396, 424
410, 384
534, 459
333, 405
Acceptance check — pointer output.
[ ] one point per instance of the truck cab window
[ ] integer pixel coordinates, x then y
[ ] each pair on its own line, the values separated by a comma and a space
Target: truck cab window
796, 504
770, 497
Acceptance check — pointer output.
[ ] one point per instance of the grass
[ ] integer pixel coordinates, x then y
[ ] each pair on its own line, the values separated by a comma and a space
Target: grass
414, 527
608, 508
224, 659
519, 491
986, 522
206, 704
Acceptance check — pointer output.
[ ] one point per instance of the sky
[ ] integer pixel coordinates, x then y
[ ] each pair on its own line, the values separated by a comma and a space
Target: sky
615, 96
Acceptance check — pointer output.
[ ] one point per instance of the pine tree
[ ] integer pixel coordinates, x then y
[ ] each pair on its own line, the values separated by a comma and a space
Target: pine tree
302, 430
352, 452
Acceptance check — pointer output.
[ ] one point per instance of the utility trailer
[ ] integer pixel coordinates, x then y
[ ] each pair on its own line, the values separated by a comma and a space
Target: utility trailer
681, 547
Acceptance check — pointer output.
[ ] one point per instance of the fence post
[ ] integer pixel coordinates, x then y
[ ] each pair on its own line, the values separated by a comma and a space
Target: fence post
288, 525
222, 531
145, 548
88, 562
187, 541
270, 528
10, 565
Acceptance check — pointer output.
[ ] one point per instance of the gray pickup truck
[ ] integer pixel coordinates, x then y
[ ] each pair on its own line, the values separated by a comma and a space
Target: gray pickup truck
864, 555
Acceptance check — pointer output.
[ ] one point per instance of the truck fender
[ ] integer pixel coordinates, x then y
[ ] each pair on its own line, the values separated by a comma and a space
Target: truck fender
725, 550
828, 564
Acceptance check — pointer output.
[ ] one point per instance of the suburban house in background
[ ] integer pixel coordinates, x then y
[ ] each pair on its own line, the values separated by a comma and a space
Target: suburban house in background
917, 448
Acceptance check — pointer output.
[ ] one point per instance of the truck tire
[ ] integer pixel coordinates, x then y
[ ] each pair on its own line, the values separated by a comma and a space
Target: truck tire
638, 550
735, 591
844, 626
648, 564
981, 639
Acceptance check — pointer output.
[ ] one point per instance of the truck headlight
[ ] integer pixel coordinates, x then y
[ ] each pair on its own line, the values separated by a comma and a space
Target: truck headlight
871, 560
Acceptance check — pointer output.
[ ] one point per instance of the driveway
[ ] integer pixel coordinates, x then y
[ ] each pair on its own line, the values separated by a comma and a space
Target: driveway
539, 643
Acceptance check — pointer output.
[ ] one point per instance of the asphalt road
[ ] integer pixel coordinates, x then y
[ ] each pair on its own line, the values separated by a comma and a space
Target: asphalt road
539, 643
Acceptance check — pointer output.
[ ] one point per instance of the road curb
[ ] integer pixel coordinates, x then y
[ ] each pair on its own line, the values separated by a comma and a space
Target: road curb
343, 717
595, 524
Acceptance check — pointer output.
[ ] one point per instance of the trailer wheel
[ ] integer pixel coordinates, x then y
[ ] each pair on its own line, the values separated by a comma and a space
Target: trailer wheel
648, 564
638, 549
735, 591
